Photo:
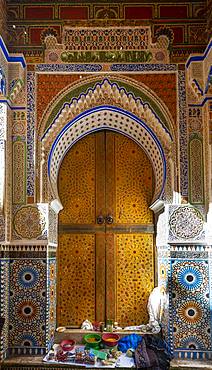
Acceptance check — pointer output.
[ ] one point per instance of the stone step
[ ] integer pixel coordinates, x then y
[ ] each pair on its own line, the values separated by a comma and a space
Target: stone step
35, 362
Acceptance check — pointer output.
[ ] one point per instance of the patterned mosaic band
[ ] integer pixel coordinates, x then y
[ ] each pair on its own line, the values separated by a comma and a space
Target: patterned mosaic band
142, 67
26, 351
27, 307
183, 135
19, 168
189, 304
193, 355
210, 284
30, 132
4, 278
196, 177
106, 45
106, 38
3, 128
68, 67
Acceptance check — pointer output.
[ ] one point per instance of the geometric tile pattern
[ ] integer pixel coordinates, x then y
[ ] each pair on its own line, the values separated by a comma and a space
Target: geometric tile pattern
196, 178
210, 283
106, 38
52, 226
51, 302
190, 304
2, 228
163, 253
185, 223
27, 325
30, 132
29, 222
3, 129
134, 45
19, 168
183, 134
4, 297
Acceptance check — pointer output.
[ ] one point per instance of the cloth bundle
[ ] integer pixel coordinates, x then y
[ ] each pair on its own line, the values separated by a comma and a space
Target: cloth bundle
152, 353
129, 341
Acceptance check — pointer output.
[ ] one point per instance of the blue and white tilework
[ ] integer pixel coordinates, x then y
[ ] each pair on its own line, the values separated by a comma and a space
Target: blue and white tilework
190, 300
4, 303
27, 327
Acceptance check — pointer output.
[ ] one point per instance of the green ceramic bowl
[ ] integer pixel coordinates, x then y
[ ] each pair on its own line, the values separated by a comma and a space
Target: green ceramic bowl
92, 340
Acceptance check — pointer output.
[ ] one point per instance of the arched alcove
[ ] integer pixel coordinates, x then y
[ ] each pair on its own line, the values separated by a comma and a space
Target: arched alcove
105, 105
108, 118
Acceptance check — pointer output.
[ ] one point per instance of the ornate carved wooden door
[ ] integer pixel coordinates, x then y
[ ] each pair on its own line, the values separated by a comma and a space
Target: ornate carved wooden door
105, 252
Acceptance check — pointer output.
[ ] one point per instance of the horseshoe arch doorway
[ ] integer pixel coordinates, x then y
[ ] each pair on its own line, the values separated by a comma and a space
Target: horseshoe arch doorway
106, 231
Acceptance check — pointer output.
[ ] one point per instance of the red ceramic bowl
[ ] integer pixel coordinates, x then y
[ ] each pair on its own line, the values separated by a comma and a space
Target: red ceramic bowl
110, 339
67, 344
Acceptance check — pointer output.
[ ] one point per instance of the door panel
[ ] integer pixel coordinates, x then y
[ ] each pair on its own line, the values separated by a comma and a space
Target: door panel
129, 246
105, 174
100, 276
100, 174
76, 282
100, 228
129, 276
133, 183
76, 279
134, 276
77, 184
